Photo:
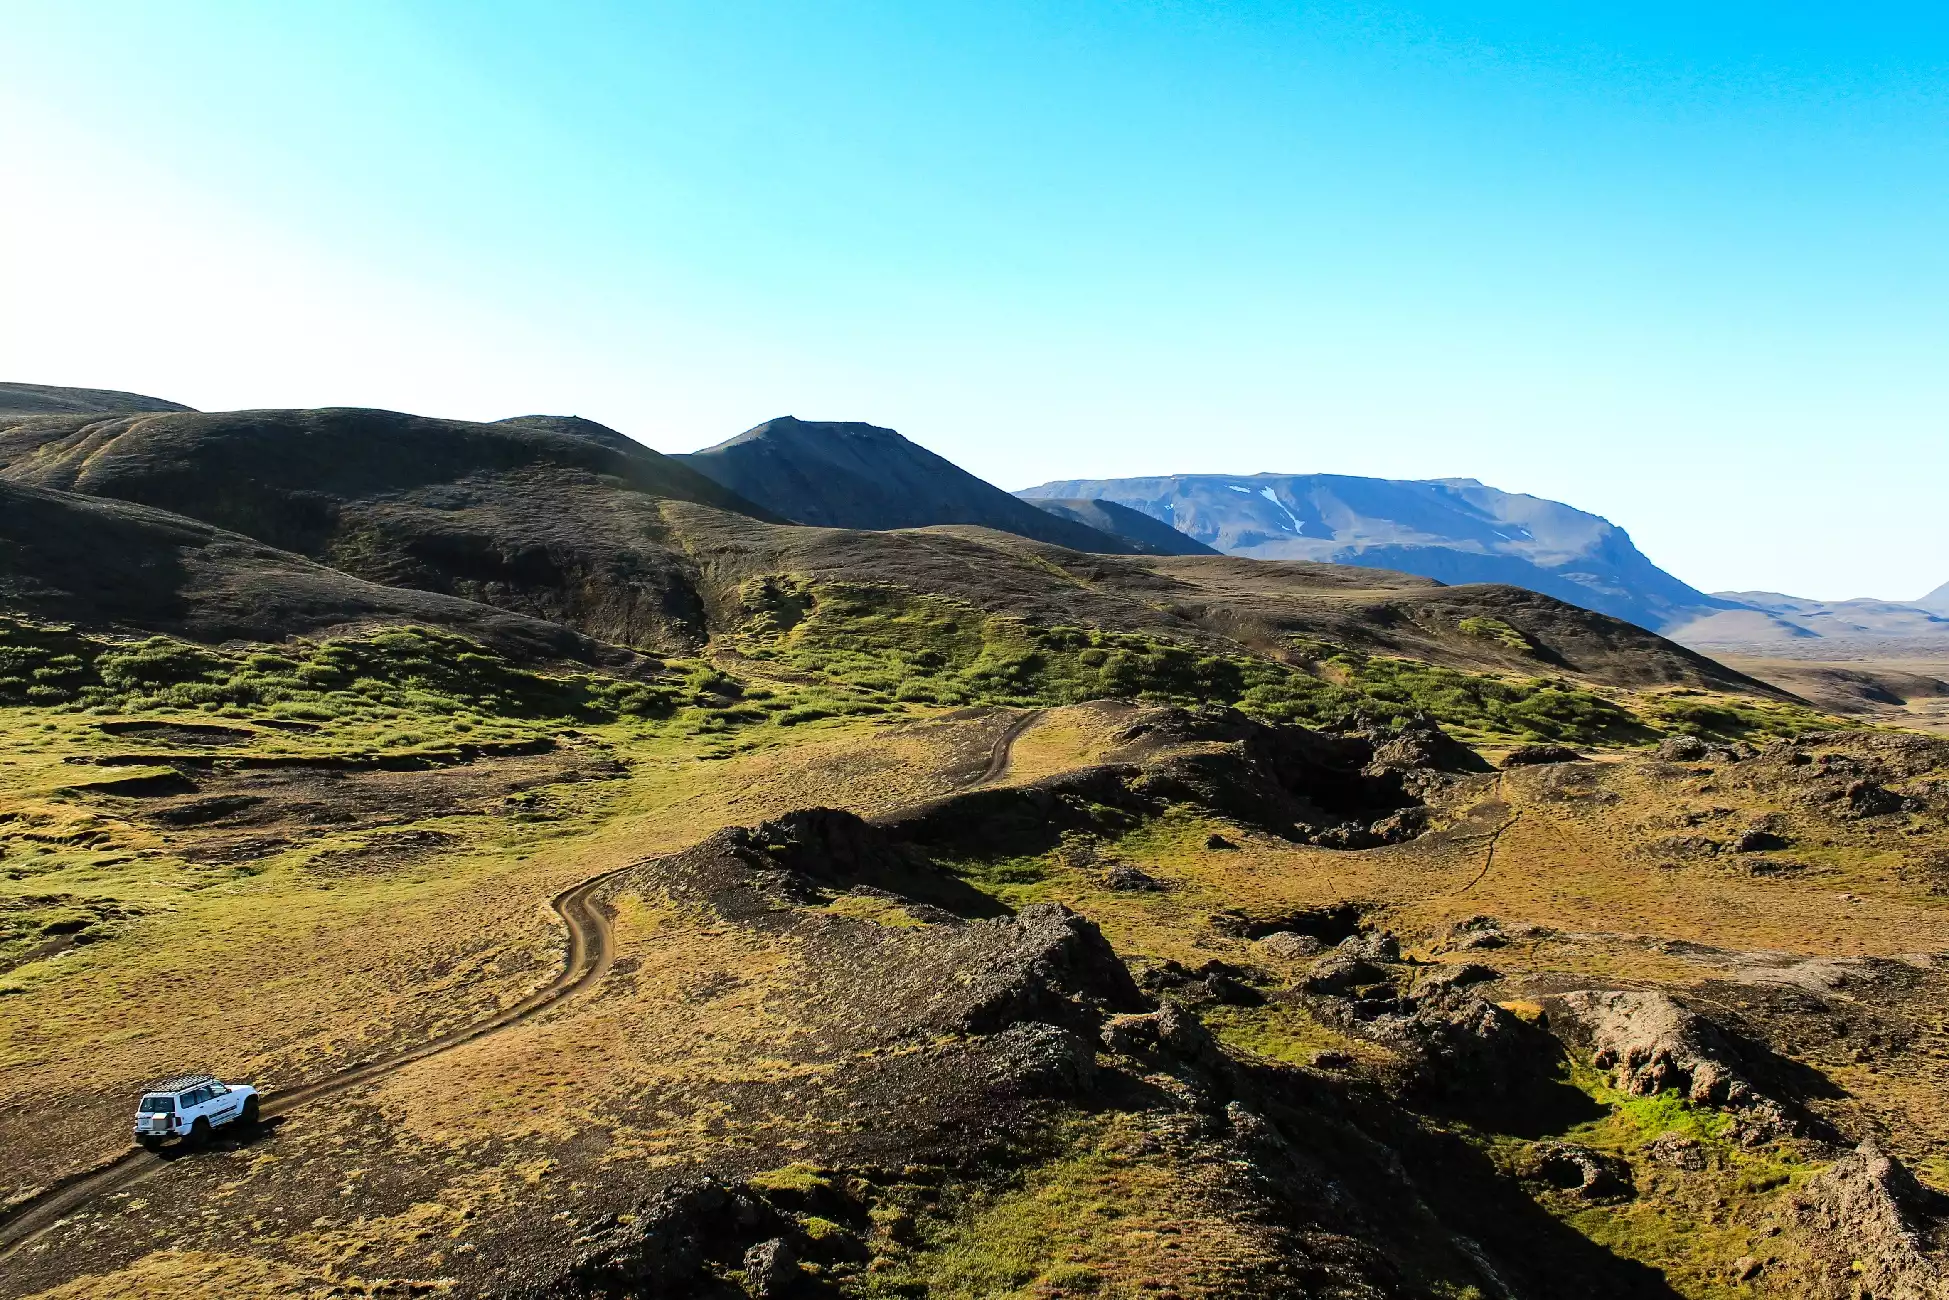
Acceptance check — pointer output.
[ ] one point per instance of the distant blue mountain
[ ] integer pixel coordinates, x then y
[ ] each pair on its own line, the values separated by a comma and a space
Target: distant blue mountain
1454, 530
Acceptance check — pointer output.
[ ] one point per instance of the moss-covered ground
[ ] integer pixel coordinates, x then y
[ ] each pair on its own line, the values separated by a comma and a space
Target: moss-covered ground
359, 913
896, 647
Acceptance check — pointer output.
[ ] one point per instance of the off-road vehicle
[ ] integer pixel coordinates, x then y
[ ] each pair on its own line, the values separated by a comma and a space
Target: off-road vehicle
191, 1107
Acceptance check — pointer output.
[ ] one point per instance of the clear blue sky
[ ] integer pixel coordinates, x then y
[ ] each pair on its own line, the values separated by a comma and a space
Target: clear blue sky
1684, 265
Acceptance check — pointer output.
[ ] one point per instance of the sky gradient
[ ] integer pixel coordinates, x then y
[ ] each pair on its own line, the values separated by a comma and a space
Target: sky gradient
1684, 266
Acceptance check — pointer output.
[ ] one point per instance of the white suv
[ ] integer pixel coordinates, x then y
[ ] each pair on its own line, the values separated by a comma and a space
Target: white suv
190, 1106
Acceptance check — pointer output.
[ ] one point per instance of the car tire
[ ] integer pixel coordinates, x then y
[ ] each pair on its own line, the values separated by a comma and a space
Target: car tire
247, 1118
150, 1143
199, 1132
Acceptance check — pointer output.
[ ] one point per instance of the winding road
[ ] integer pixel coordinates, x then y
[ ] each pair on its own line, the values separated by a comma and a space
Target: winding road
587, 959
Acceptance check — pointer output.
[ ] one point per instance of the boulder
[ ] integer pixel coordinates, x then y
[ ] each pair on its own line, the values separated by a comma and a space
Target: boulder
1046, 963
1289, 945
1338, 975
1044, 1059
1128, 879
1536, 755
1168, 1031
1678, 1151
1458, 975
1371, 945
770, 1269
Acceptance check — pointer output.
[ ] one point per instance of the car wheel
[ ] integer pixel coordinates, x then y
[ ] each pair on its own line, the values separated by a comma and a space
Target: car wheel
248, 1117
199, 1132
150, 1143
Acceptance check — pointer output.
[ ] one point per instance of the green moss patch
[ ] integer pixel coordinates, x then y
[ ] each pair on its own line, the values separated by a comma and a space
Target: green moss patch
886, 644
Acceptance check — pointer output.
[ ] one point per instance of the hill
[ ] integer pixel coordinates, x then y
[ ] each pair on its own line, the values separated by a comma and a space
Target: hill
845, 474
116, 566
545, 516
1454, 530
1936, 601
1149, 536
46, 399
946, 912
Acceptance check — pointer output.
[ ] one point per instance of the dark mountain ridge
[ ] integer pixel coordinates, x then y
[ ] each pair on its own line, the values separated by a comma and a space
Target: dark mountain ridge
1149, 536
847, 474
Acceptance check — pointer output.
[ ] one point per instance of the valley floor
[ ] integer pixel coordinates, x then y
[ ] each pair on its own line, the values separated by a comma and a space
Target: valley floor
822, 1051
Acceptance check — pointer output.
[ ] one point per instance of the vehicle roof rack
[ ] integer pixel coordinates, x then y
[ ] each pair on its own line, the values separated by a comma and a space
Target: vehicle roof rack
181, 1082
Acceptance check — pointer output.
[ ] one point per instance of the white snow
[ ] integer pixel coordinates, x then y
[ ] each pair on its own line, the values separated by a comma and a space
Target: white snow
1291, 521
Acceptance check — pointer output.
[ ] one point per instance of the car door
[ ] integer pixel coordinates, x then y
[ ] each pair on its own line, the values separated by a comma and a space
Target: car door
224, 1104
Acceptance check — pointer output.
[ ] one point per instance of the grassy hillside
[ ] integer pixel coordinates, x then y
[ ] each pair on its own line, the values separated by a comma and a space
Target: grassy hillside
701, 906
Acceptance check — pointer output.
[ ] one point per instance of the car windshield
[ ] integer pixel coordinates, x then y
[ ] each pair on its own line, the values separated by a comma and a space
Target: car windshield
158, 1105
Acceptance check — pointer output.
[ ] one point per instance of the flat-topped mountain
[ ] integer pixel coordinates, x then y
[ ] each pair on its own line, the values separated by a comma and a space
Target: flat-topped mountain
1773, 621
847, 474
1456, 530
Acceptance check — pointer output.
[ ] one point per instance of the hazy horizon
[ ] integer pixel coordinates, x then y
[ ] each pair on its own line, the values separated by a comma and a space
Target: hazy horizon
1682, 270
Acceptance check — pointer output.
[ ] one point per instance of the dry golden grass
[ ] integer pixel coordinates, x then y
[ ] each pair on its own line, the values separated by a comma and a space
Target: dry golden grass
657, 1065
283, 974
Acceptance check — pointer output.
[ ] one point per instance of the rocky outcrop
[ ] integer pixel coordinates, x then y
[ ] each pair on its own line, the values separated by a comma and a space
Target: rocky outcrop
1045, 964
1879, 1232
664, 1247
1462, 1050
1650, 1044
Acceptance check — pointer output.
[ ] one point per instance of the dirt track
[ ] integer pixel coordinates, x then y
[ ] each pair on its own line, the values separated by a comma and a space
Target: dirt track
587, 958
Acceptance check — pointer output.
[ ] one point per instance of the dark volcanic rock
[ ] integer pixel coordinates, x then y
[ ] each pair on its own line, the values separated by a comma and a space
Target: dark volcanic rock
1586, 1174
770, 1269
1882, 1232
1129, 879
1535, 755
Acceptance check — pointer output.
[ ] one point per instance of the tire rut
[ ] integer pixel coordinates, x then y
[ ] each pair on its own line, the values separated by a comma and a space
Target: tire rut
587, 958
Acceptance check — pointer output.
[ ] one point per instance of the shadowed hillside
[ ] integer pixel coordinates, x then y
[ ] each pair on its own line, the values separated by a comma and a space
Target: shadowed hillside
110, 564
1149, 536
546, 516
845, 474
